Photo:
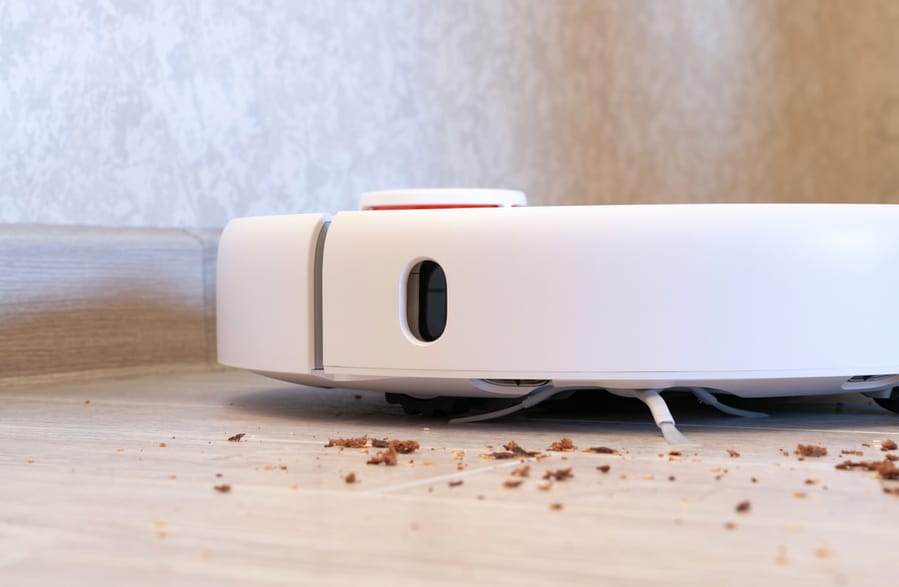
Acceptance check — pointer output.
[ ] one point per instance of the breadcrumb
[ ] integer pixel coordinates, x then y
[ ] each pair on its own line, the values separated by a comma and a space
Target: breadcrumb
359, 442
810, 450
559, 474
604, 450
563, 445
384, 457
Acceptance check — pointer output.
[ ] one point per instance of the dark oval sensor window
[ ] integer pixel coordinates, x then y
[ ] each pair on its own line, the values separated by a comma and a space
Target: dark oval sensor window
426, 299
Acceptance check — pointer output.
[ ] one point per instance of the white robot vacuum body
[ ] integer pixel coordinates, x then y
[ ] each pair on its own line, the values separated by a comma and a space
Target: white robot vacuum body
504, 300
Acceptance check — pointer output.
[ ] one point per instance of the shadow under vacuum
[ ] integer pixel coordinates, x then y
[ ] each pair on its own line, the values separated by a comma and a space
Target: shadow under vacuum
593, 409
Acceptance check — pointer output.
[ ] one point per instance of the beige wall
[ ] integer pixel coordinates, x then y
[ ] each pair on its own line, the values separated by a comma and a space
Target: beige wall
739, 101
162, 113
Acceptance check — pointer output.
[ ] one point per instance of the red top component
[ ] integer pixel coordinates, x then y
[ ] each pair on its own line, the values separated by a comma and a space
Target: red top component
434, 199
431, 206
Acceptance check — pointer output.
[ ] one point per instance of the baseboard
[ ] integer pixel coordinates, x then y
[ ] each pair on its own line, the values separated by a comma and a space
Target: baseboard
82, 301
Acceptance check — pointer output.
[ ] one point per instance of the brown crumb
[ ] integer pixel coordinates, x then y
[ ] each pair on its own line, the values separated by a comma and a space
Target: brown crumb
498, 455
602, 450
733, 454
518, 450
523, 471
385, 457
359, 442
512, 483
162, 445
671, 478
404, 446
800, 495
888, 444
555, 506
172, 477
812, 481
891, 490
282, 467
236, 437
823, 552
456, 483
730, 526
603, 468
400, 446
810, 450
885, 468
545, 486
891, 457
460, 466
223, 488
293, 486
866, 444
857, 453
563, 445
559, 474
674, 453
753, 479
218, 474
458, 455
743, 507
87, 401
351, 478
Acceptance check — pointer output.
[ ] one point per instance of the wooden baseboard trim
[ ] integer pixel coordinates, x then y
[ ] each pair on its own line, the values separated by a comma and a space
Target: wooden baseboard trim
81, 302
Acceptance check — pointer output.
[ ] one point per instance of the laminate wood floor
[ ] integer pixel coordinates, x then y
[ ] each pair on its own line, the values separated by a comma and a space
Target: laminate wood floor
114, 482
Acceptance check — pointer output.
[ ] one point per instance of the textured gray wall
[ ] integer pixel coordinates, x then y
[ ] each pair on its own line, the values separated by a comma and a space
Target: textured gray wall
186, 113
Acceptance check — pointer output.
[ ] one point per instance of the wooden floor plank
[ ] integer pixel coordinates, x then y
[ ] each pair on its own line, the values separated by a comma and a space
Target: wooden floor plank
90, 495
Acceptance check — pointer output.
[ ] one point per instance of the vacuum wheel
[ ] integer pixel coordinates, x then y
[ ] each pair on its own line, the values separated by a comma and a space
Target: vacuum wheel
890, 403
